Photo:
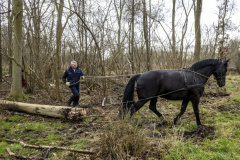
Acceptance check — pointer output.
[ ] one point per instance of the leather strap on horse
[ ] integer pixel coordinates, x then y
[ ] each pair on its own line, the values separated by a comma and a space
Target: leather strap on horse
184, 77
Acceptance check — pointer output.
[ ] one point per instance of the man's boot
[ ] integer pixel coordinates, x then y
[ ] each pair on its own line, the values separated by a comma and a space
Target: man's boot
68, 103
75, 105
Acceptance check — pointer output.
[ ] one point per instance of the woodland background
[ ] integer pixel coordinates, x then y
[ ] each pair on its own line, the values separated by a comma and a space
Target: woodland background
108, 37
111, 40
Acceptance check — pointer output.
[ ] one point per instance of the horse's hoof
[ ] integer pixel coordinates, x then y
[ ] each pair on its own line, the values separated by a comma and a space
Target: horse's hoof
163, 121
174, 121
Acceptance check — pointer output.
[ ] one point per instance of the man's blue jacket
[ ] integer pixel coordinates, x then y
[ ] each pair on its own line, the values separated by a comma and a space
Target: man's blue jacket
71, 76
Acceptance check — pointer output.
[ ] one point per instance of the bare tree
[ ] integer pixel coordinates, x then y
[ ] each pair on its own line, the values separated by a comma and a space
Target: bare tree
146, 35
119, 10
184, 31
225, 12
197, 17
10, 17
1, 47
16, 87
59, 33
173, 28
131, 44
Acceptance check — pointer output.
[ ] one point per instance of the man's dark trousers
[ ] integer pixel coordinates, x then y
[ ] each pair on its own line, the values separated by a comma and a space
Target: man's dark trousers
75, 97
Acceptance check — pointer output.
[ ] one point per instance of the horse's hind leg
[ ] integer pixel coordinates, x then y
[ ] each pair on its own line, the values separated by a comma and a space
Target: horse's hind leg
153, 108
126, 107
183, 109
137, 106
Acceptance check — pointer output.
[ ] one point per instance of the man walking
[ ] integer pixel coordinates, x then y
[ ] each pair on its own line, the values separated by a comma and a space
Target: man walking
71, 78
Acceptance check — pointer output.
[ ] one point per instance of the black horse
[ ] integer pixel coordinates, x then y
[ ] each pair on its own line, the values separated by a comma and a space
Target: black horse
186, 84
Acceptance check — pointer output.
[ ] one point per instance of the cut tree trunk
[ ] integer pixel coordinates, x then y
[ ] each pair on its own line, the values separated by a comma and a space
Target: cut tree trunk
46, 110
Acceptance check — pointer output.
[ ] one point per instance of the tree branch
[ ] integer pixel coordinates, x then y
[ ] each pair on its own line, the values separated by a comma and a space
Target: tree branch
21, 157
6, 12
51, 147
93, 36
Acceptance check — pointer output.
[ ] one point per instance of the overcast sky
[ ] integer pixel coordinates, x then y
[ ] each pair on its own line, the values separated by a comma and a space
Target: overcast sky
210, 10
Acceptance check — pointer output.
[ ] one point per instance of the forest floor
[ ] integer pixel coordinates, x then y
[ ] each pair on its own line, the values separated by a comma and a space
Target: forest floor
143, 137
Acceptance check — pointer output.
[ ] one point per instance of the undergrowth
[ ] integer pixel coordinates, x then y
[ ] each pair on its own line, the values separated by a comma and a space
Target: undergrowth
123, 140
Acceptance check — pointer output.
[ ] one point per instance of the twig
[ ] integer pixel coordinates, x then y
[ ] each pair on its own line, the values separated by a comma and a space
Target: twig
4, 90
46, 155
6, 81
50, 147
21, 157
5, 12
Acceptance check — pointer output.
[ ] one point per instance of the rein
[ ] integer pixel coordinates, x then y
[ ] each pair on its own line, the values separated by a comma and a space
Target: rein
160, 95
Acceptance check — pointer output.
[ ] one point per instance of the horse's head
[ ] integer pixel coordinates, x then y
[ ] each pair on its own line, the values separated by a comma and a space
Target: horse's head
220, 73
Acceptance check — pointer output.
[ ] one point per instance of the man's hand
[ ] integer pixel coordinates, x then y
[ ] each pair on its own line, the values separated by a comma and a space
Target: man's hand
68, 84
83, 77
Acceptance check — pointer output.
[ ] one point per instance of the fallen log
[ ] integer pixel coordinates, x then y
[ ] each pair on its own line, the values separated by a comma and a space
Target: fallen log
46, 110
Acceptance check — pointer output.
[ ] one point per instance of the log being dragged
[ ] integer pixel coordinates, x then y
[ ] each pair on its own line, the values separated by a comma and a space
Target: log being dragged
47, 110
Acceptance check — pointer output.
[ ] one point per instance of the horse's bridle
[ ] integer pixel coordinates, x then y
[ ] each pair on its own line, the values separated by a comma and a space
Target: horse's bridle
221, 73
216, 78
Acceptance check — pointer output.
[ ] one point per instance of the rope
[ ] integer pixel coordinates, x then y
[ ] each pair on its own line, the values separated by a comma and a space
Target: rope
141, 99
127, 75
182, 89
99, 77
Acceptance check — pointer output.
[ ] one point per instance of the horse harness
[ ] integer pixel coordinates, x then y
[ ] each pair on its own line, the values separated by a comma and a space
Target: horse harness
183, 70
186, 86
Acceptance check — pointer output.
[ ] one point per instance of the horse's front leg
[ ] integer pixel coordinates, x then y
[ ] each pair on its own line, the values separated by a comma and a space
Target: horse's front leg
195, 103
183, 109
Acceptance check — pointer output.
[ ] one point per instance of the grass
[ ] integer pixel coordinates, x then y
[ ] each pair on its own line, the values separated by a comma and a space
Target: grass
225, 144
3, 147
142, 137
220, 148
79, 144
20, 127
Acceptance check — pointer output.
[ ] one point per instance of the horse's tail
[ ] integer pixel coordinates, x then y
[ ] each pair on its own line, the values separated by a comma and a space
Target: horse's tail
129, 93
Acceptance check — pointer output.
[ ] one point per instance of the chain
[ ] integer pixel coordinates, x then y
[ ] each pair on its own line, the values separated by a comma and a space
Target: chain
197, 73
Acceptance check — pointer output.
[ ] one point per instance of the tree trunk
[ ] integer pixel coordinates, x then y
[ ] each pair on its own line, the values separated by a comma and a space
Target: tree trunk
132, 37
145, 31
1, 48
197, 16
58, 48
238, 64
223, 48
184, 31
46, 110
10, 36
173, 31
16, 87
118, 56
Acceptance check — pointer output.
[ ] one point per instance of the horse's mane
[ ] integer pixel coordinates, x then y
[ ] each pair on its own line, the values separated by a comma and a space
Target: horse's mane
203, 63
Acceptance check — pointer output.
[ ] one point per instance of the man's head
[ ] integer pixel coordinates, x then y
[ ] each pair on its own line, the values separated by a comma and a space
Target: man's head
73, 64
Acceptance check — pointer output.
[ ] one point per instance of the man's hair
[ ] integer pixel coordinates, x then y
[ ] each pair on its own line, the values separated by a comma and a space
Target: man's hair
72, 62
